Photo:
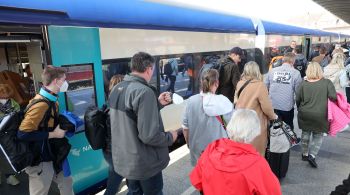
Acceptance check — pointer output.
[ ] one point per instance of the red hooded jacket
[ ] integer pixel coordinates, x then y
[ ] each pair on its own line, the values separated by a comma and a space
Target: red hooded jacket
228, 167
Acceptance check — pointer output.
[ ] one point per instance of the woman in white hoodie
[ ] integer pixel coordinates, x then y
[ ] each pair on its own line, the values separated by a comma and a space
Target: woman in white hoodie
206, 116
335, 70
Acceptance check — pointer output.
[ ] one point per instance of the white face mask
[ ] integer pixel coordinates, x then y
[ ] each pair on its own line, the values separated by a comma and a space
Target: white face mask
64, 87
3, 101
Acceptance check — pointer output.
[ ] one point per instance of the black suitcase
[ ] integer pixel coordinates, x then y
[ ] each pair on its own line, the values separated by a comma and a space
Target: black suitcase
279, 163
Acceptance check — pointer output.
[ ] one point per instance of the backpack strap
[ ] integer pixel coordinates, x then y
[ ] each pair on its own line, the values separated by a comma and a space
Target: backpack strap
44, 122
221, 120
241, 89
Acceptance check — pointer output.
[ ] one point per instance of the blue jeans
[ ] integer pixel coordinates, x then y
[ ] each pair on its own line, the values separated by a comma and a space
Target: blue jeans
150, 186
114, 179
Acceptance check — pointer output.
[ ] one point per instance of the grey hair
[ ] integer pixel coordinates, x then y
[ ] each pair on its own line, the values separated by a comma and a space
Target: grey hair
244, 126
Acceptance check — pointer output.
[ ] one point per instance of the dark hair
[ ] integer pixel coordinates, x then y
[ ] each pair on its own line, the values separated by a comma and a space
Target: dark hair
208, 79
323, 50
237, 51
296, 50
115, 80
141, 61
51, 73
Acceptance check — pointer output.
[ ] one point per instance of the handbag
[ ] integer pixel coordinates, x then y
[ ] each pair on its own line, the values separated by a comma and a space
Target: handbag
282, 137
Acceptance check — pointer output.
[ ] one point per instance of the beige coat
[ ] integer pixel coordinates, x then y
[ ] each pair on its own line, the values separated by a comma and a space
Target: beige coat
255, 96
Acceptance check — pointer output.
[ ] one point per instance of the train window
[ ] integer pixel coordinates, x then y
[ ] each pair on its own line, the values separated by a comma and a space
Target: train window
81, 91
120, 67
177, 75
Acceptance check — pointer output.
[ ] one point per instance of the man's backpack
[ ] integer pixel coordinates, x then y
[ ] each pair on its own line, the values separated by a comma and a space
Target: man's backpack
168, 70
300, 65
96, 127
18, 153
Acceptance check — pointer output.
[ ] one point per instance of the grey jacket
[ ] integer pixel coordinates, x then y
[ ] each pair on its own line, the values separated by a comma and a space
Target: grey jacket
139, 143
282, 83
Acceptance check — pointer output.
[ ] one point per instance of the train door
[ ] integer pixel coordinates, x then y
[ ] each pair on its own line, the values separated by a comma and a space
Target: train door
307, 47
78, 50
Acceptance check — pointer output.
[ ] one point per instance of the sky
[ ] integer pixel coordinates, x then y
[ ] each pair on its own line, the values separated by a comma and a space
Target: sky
280, 11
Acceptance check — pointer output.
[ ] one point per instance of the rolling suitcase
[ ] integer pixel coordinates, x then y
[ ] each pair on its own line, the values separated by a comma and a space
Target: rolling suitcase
279, 163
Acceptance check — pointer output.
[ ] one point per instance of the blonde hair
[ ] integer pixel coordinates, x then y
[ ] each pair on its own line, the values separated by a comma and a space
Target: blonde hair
338, 58
251, 71
208, 79
244, 126
338, 50
115, 80
314, 71
289, 57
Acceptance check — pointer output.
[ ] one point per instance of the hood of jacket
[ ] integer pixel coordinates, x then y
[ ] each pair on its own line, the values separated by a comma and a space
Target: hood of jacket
229, 156
215, 105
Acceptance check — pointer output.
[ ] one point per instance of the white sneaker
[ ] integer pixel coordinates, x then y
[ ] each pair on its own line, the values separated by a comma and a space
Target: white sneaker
12, 180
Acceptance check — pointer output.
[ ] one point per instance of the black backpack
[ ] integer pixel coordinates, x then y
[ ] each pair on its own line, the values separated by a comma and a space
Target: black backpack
18, 153
300, 65
96, 127
168, 70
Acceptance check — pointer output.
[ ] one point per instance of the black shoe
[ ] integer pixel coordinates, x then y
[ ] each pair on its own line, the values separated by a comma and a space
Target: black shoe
312, 161
304, 157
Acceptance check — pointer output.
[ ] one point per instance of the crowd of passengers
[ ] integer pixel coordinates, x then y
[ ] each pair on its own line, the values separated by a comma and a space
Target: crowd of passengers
225, 126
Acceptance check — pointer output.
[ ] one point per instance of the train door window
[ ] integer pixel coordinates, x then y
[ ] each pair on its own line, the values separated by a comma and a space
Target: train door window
81, 91
177, 75
117, 68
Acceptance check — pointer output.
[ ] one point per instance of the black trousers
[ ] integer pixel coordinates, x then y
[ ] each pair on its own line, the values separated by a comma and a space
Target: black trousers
286, 116
347, 92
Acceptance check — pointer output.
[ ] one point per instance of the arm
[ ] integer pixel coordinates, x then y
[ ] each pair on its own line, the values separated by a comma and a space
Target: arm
332, 94
235, 77
299, 94
297, 82
185, 129
344, 81
267, 80
149, 121
265, 103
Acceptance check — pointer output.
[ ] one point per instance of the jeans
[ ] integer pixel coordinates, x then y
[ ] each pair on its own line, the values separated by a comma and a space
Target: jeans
114, 179
171, 87
150, 186
311, 146
286, 116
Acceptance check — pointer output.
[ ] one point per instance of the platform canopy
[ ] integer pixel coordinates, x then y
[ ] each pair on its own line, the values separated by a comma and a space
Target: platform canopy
339, 8
119, 14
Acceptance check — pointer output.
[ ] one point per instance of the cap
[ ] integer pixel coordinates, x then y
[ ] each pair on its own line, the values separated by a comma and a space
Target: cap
237, 50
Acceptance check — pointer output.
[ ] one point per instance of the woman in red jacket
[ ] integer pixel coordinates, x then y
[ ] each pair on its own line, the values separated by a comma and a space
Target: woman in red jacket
233, 166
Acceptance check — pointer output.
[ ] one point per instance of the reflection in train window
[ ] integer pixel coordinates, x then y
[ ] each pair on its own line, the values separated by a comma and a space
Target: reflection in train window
114, 68
177, 75
81, 91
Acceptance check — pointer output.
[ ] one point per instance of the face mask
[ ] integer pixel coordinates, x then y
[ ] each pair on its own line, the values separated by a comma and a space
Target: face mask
3, 101
64, 87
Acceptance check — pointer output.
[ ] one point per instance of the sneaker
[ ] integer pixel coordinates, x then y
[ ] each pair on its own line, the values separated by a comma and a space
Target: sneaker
12, 180
312, 161
304, 157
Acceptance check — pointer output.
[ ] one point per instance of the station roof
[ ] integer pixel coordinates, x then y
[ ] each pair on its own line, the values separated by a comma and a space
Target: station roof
339, 8
119, 14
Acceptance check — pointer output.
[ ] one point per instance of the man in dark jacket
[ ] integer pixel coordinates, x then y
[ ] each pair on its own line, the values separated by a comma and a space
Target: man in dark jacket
33, 129
139, 142
229, 73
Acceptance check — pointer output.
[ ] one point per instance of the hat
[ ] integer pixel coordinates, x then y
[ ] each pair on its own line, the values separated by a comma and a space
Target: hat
237, 50
5, 91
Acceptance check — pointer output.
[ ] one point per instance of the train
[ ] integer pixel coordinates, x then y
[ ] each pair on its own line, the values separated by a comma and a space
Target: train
94, 40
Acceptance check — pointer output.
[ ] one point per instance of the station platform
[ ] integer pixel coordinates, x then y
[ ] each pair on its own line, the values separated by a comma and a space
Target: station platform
333, 161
